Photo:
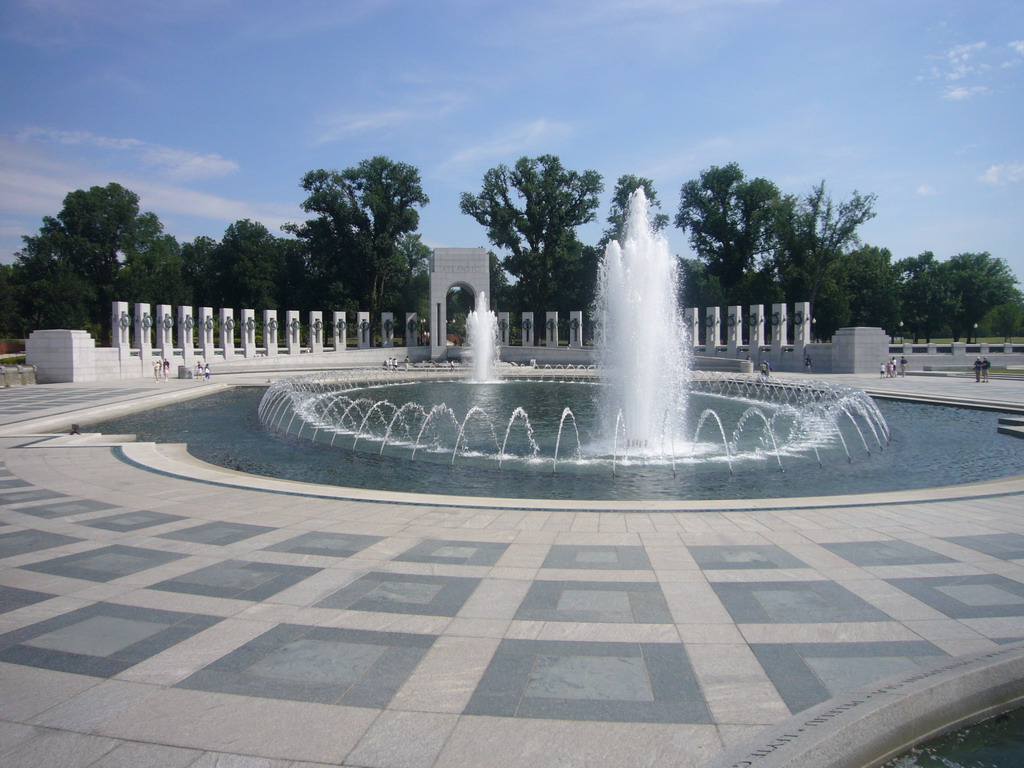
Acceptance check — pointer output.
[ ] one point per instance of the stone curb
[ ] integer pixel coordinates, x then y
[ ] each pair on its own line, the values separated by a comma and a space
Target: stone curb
868, 726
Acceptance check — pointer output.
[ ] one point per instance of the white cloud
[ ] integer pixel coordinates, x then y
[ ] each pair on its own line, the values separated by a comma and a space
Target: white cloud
523, 138
421, 110
961, 60
1017, 46
926, 190
959, 92
175, 164
1003, 174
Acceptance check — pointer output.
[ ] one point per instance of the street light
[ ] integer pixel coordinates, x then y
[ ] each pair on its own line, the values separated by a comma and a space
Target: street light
975, 333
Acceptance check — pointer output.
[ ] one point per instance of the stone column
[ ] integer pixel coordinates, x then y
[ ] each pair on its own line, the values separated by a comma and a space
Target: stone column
120, 327
316, 332
504, 329
412, 330
293, 332
164, 324
387, 329
206, 333
364, 331
339, 329
227, 332
576, 329
185, 325
249, 333
143, 322
712, 329
734, 330
527, 327
755, 327
801, 328
270, 331
551, 330
780, 329
691, 320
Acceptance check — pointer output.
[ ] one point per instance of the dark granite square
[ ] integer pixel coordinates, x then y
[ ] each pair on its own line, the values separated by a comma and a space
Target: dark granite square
454, 552
967, 597
794, 602
886, 552
101, 640
619, 682
597, 557
318, 664
1006, 546
131, 521
403, 593
12, 598
13, 482
105, 564
806, 674
22, 497
218, 534
598, 601
237, 580
20, 542
743, 556
65, 508
326, 544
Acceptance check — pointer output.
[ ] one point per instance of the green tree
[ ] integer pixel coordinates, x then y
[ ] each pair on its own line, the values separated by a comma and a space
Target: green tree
360, 216
814, 233
730, 221
247, 267
196, 265
978, 282
152, 269
414, 293
624, 188
532, 211
871, 285
926, 297
1005, 319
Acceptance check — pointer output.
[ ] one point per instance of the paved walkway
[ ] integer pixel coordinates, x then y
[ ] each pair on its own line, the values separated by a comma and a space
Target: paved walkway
148, 618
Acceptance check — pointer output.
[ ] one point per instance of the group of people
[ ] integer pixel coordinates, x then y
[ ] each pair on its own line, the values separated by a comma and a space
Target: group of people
890, 368
391, 363
981, 366
202, 371
161, 370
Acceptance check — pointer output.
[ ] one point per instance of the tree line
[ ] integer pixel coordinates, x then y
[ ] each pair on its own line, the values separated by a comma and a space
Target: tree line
359, 250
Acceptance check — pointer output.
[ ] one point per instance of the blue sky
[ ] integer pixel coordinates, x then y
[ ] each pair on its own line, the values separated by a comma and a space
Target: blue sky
212, 110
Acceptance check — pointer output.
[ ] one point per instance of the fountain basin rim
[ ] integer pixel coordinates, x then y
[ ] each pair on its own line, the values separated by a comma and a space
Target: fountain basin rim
173, 460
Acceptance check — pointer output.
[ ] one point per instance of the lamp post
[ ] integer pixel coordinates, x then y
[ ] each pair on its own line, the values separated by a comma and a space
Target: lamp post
975, 333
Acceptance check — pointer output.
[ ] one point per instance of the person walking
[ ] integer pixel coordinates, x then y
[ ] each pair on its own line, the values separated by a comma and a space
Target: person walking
903, 367
977, 369
985, 365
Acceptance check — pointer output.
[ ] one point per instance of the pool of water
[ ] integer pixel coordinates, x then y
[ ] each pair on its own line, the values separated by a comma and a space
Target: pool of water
930, 446
994, 743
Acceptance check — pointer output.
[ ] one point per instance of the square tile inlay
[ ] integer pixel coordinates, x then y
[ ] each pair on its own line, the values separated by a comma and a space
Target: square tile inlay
65, 508
597, 601
20, 542
218, 534
1007, 546
131, 521
967, 597
318, 664
105, 564
886, 552
12, 598
454, 552
100, 640
624, 682
403, 593
806, 674
597, 557
794, 602
743, 556
327, 544
238, 580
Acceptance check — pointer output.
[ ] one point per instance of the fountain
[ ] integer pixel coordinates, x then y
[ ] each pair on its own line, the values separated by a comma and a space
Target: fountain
482, 325
646, 415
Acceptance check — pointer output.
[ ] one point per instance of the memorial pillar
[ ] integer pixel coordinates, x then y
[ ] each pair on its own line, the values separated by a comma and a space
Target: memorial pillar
248, 333
780, 330
339, 328
712, 329
206, 333
691, 321
387, 329
292, 332
316, 332
551, 329
412, 330
755, 328
143, 322
528, 338
227, 332
185, 325
504, 329
270, 331
364, 331
164, 324
576, 329
120, 327
801, 328
734, 330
